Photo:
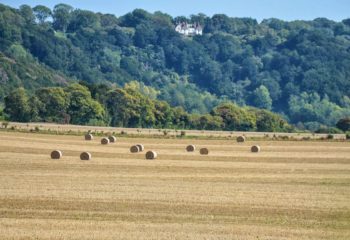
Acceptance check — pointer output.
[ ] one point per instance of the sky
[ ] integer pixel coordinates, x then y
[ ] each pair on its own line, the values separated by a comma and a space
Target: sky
258, 9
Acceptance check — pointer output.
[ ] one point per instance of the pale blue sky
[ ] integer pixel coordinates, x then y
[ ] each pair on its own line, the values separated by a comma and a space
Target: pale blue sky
258, 9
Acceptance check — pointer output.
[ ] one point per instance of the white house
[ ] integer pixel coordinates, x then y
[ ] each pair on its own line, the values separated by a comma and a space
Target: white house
189, 29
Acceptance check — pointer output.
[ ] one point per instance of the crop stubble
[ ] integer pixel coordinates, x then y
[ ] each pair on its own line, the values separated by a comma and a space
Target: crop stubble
294, 190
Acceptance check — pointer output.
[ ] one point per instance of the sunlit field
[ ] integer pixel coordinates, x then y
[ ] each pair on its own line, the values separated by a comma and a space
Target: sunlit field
290, 190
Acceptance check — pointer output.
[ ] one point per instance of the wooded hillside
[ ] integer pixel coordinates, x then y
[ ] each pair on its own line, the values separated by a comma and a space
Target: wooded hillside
300, 69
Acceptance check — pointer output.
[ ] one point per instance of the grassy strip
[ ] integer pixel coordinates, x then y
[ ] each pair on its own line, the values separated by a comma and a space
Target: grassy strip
166, 135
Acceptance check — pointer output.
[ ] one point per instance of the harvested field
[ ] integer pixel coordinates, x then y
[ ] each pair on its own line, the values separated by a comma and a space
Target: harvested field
290, 190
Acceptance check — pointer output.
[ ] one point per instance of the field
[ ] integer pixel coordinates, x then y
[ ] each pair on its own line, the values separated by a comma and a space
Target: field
290, 190
62, 129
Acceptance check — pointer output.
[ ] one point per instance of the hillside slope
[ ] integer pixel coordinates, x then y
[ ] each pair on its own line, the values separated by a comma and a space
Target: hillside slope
299, 69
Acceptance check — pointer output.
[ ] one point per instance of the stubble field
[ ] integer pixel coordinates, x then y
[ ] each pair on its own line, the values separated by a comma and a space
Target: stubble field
290, 190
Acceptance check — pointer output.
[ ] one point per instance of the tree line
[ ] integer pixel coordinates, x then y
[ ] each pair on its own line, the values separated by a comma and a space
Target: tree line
100, 105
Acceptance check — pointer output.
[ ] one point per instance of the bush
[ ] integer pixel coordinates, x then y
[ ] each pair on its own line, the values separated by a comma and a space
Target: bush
330, 136
344, 124
312, 126
96, 122
283, 137
330, 130
347, 135
5, 124
2, 115
183, 133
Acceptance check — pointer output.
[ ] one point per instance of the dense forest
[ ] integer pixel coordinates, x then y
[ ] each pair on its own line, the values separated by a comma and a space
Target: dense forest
299, 69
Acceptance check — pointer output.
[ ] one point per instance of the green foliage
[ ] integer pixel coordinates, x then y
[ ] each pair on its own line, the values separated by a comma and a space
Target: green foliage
344, 124
121, 107
131, 65
83, 19
235, 118
142, 88
61, 16
128, 107
42, 13
262, 98
313, 108
82, 108
347, 135
270, 122
2, 115
51, 103
207, 122
27, 13
24, 71
17, 105
330, 130
298, 69
17, 52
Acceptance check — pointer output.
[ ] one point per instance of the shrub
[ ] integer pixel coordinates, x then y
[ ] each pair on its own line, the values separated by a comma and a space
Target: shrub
2, 115
284, 137
330, 136
5, 124
330, 130
96, 122
347, 135
344, 124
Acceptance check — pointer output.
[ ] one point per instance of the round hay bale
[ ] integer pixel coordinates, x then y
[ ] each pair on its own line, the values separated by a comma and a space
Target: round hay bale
89, 137
151, 155
204, 151
141, 147
190, 148
85, 156
134, 149
255, 148
104, 141
240, 139
112, 139
56, 154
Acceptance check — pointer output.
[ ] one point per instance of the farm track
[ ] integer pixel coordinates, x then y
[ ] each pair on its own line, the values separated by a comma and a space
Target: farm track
291, 190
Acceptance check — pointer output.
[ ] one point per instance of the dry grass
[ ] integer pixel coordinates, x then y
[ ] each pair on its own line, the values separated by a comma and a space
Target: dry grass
291, 190
60, 128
